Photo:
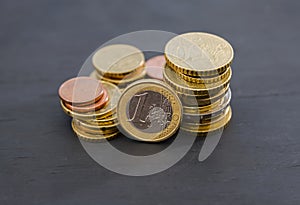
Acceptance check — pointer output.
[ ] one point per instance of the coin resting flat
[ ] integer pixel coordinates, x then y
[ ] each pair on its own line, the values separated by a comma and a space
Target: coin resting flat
149, 110
81, 91
155, 66
91, 107
198, 53
118, 60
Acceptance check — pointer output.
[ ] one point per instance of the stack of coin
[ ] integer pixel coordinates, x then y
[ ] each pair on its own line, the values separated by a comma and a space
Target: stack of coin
198, 68
119, 64
92, 104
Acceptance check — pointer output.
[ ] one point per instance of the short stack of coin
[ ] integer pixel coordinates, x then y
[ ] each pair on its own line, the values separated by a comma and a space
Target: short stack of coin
119, 64
198, 68
92, 104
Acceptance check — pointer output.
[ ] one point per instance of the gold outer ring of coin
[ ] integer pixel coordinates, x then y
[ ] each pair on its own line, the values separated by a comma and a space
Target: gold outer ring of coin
212, 127
118, 60
107, 110
206, 80
202, 101
92, 137
221, 104
173, 80
218, 49
155, 86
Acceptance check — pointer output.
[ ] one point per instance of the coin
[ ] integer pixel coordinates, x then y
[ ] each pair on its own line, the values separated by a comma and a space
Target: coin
114, 95
203, 118
95, 129
198, 53
202, 101
81, 91
155, 66
206, 80
196, 128
171, 77
92, 137
212, 108
126, 80
149, 110
92, 107
118, 60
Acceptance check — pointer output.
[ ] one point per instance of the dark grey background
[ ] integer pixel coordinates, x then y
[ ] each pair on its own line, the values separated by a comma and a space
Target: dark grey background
44, 43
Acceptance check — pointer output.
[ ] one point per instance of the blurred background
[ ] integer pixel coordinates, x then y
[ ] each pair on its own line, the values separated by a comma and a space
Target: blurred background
44, 42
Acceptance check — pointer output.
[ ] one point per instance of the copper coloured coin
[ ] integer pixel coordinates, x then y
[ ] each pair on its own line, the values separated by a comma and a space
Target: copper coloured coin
154, 67
81, 91
91, 107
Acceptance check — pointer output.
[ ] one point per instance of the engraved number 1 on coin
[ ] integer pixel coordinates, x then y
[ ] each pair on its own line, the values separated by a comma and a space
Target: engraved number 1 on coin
137, 111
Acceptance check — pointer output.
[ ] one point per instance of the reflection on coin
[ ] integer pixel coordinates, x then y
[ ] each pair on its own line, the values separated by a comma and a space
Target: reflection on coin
92, 107
155, 66
210, 127
199, 53
149, 110
81, 91
114, 95
118, 60
212, 108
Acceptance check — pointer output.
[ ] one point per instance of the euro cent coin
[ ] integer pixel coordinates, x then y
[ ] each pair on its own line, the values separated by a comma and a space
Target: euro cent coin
81, 91
155, 66
199, 54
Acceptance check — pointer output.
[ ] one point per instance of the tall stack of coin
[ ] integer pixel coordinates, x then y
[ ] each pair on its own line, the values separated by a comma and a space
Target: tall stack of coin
92, 104
198, 68
119, 64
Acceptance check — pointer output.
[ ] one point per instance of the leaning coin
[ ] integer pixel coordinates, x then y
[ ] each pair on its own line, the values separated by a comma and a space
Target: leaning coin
81, 91
149, 110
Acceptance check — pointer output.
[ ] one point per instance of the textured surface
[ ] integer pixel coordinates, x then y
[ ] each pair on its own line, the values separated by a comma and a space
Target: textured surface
43, 43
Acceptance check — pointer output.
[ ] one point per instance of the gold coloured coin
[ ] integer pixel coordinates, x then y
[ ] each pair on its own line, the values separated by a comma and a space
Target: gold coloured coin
202, 101
114, 95
118, 60
92, 137
180, 85
199, 54
211, 127
149, 110
121, 82
206, 80
96, 126
94, 129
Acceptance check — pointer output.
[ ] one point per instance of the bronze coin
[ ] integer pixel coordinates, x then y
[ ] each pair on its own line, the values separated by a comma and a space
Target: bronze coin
154, 67
91, 107
81, 91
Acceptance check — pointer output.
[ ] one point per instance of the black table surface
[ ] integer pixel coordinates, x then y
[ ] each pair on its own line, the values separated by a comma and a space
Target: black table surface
44, 43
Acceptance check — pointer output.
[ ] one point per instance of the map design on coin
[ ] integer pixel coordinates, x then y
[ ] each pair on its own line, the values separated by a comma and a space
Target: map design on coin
149, 111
